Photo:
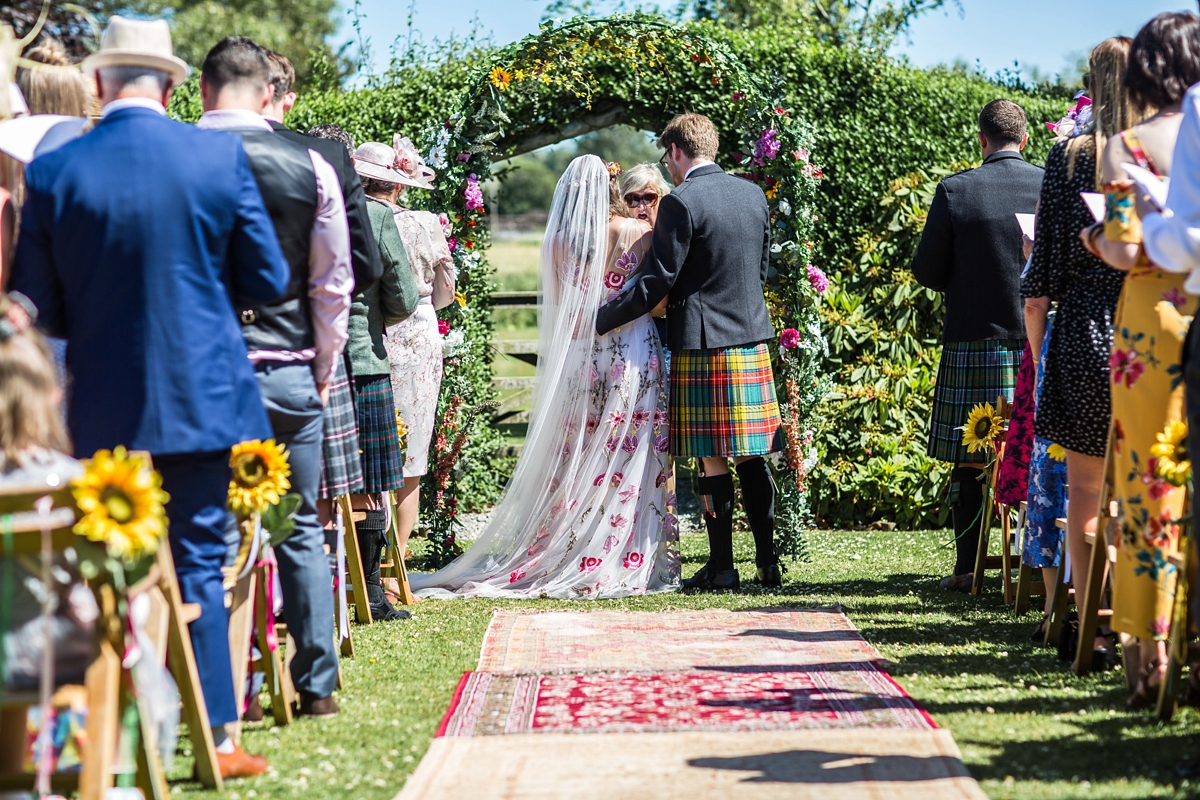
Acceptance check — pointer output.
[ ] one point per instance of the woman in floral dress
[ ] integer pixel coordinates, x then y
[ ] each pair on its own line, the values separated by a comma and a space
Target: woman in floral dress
414, 346
1150, 328
586, 514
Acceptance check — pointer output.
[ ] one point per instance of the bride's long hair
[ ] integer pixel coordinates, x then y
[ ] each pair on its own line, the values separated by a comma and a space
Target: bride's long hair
574, 258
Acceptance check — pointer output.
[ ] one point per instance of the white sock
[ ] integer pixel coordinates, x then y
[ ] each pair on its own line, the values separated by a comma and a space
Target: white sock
221, 740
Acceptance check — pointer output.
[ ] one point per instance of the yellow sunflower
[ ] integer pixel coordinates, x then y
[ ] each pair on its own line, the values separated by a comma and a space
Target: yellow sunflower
461, 299
771, 191
260, 476
982, 428
1171, 454
1057, 452
500, 78
121, 500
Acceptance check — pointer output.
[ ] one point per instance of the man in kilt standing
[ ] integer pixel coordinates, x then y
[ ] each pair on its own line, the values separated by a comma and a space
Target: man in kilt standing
971, 251
711, 247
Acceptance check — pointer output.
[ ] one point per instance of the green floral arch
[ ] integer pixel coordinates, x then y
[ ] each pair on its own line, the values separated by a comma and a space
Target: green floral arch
569, 79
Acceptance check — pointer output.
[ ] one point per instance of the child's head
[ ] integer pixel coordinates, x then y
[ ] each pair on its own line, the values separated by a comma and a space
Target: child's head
29, 391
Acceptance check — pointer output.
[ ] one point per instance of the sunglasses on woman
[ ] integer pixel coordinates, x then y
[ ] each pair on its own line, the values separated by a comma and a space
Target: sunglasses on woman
649, 200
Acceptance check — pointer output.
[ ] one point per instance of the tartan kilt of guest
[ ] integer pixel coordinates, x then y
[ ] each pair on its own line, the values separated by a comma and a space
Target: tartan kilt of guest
723, 403
378, 438
341, 468
969, 373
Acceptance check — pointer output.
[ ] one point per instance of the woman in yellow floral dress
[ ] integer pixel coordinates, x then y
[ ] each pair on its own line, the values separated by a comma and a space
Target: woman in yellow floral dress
1147, 388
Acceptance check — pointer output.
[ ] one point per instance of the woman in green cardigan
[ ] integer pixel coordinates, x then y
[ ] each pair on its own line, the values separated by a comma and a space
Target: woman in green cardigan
385, 303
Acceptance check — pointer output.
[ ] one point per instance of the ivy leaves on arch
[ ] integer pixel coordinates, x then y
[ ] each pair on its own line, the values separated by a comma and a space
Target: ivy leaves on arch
573, 78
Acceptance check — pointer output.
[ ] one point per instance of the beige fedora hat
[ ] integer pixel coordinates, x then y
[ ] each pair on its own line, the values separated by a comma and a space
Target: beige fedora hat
137, 43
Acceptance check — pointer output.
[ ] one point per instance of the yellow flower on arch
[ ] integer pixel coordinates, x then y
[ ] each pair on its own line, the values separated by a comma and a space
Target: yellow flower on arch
771, 191
122, 501
1170, 452
1057, 452
260, 476
500, 78
982, 428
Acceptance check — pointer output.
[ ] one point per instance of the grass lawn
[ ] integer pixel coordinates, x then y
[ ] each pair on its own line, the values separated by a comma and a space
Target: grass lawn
1026, 726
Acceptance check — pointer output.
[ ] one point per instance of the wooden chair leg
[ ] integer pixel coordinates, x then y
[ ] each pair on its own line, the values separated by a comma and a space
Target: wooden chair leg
268, 659
1062, 600
182, 661
1177, 642
354, 564
103, 683
241, 633
1097, 575
151, 778
985, 529
398, 571
1007, 562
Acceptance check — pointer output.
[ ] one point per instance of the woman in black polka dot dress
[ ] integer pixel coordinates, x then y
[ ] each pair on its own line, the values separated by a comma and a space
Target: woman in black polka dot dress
1075, 405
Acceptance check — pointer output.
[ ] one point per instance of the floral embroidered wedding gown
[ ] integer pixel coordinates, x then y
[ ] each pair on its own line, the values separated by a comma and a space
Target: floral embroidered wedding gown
586, 513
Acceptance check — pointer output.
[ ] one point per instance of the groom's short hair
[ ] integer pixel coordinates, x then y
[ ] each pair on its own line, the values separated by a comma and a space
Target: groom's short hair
694, 134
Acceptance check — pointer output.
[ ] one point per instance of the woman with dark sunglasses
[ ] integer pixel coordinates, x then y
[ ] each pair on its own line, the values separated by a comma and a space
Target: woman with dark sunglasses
642, 187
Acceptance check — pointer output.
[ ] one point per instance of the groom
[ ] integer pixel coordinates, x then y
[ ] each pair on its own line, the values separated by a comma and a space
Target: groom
711, 245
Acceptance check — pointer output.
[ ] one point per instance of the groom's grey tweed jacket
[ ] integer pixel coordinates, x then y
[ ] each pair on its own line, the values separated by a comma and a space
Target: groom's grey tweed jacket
712, 242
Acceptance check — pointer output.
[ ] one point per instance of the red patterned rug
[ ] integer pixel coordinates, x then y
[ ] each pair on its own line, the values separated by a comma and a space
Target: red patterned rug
856, 696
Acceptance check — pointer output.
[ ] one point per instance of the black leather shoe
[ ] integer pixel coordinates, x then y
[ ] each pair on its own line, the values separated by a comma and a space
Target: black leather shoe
771, 576
697, 581
387, 612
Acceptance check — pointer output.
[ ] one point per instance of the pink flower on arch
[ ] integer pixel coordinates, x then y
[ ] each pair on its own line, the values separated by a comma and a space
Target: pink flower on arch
817, 278
1126, 367
789, 339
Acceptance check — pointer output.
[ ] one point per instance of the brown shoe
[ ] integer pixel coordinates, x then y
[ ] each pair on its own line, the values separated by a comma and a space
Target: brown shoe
318, 707
240, 764
958, 583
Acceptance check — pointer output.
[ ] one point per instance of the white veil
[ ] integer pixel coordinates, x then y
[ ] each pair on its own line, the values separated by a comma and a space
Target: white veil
523, 527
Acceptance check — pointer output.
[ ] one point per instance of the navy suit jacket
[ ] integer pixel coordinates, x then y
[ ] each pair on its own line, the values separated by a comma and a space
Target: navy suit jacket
133, 239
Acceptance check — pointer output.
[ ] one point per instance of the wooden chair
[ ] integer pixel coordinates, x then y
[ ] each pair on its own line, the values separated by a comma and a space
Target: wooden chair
1006, 561
248, 619
108, 682
354, 564
1029, 582
1064, 594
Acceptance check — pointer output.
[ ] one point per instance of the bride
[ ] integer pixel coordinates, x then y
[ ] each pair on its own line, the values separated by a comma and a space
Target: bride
586, 513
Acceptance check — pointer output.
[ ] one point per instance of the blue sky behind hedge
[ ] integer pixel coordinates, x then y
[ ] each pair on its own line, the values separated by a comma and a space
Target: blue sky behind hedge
1046, 34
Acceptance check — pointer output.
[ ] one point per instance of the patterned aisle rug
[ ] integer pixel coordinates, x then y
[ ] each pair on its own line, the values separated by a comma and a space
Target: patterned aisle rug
672, 641
860, 696
728, 705
867, 764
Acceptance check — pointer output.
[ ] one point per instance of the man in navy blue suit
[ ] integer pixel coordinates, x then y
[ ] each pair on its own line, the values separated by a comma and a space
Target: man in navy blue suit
133, 239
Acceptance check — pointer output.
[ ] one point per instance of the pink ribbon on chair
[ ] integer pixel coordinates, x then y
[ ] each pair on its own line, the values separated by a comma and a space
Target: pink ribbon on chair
270, 571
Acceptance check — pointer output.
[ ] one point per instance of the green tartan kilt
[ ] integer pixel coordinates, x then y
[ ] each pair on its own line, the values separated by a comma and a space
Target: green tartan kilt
969, 373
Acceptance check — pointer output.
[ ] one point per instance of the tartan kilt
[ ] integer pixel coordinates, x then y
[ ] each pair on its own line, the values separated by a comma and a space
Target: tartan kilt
969, 373
723, 403
378, 438
341, 469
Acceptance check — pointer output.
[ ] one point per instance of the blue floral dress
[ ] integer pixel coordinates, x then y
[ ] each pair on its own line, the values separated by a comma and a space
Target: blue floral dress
1047, 500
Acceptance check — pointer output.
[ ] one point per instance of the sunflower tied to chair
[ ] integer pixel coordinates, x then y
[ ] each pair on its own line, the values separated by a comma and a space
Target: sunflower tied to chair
983, 427
259, 498
1171, 460
122, 503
